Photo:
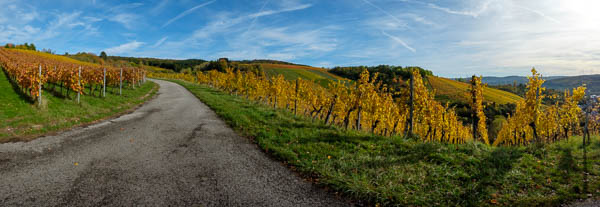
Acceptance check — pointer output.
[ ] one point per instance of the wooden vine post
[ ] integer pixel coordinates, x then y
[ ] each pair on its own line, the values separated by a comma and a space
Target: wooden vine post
411, 105
121, 82
296, 98
474, 109
79, 84
104, 84
40, 87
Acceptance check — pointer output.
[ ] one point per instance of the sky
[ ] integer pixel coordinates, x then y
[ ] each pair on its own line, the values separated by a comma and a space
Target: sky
452, 38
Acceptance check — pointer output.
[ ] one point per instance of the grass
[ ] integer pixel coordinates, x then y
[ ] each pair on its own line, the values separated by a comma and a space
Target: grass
404, 172
21, 119
452, 90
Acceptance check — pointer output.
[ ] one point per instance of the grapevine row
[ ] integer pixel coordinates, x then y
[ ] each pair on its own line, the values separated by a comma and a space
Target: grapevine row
370, 106
363, 105
29, 71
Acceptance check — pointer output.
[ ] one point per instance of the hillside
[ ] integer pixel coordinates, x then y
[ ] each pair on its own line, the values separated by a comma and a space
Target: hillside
292, 72
493, 80
21, 118
446, 89
451, 90
90, 61
592, 83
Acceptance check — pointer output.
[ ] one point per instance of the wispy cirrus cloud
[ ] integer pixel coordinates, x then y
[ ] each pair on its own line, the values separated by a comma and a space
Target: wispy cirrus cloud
473, 13
125, 7
159, 7
124, 48
288, 43
128, 20
186, 12
225, 22
272, 12
450, 37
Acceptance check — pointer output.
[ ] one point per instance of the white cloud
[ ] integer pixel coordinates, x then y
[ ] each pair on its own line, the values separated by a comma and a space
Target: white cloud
125, 7
186, 12
283, 43
10, 13
126, 19
272, 12
224, 21
473, 13
281, 56
159, 7
124, 48
92, 19
420, 19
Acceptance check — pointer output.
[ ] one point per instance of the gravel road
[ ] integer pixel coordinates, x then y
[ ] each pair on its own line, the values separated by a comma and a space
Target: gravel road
172, 151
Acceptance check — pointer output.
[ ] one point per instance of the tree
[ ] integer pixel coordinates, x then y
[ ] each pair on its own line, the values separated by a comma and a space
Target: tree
103, 55
223, 64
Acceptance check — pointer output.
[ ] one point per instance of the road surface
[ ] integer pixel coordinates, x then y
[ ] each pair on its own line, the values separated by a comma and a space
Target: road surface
172, 151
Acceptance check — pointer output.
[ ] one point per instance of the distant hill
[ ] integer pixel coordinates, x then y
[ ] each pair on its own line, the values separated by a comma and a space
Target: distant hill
455, 91
553, 82
171, 64
592, 83
267, 61
493, 80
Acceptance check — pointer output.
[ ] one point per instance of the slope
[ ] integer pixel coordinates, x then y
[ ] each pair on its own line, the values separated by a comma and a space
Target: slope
493, 80
451, 90
592, 83
20, 119
292, 72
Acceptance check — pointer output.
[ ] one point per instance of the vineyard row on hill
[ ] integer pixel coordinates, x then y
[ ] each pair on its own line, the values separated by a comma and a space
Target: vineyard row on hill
364, 105
370, 106
31, 71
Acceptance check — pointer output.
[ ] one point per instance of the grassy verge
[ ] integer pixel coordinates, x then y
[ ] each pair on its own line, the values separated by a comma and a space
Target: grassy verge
22, 120
403, 172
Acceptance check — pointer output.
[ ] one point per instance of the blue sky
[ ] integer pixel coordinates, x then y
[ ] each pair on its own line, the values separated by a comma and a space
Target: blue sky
451, 38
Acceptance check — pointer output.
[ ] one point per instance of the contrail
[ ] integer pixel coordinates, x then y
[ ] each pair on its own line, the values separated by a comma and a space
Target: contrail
539, 13
256, 17
187, 12
399, 41
385, 12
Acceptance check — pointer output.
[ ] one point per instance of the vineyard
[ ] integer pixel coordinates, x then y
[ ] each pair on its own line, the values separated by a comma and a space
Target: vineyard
32, 70
369, 106
459, 91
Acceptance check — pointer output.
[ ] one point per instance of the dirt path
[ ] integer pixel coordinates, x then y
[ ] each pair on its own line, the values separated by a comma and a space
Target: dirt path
173, 151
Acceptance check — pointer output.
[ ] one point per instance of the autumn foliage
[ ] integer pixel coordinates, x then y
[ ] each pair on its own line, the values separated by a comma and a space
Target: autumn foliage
23, 68
371, 106
363, 105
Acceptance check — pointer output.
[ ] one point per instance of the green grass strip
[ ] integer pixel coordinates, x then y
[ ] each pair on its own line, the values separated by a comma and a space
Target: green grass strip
20, 119
392, 171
